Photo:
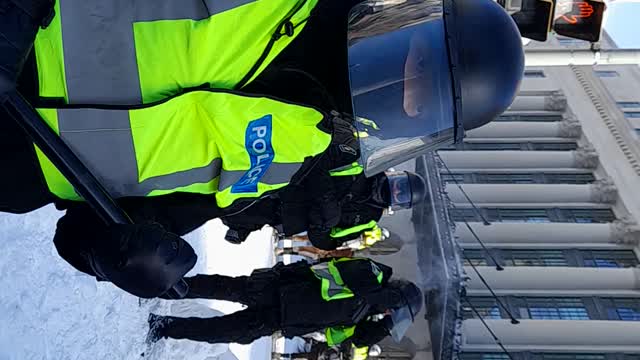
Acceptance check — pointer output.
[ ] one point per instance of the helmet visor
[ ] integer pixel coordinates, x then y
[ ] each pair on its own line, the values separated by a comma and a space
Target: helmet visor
402, 320
401, 83
399, 190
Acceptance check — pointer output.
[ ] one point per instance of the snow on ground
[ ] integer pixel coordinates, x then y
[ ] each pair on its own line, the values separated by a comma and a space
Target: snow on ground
48, 310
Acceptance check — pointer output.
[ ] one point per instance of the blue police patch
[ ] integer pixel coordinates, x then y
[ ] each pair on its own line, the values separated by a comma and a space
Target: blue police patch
257, 141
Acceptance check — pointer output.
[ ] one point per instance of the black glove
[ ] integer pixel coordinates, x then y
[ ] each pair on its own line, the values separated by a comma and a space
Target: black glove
142, 259
236, 236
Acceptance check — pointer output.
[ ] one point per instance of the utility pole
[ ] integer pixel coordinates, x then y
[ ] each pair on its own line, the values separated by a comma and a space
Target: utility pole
593, 56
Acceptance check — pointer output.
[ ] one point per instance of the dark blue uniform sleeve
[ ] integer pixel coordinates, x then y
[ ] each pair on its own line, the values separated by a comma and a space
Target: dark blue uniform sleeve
19, 24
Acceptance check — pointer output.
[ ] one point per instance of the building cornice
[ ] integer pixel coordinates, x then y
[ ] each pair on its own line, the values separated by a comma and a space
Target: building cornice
611, 116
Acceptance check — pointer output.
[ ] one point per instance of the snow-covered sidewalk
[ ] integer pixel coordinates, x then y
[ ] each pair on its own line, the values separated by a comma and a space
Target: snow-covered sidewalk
50, 311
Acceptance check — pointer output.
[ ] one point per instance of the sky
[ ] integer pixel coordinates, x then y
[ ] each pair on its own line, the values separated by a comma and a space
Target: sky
622, 24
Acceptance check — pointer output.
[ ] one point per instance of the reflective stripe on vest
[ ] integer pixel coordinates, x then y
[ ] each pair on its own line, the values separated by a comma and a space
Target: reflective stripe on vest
359, 353
336, 335
332, 285
133, 52
352, 169
338, 232
201, 142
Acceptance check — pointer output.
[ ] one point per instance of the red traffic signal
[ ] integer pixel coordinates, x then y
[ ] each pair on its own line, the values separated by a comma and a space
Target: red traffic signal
579, 19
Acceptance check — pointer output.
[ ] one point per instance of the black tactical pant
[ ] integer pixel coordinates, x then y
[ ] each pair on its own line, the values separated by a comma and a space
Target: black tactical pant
260, 292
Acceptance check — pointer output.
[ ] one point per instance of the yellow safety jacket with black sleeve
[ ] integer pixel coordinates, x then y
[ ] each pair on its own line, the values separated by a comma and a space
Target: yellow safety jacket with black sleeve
121, 105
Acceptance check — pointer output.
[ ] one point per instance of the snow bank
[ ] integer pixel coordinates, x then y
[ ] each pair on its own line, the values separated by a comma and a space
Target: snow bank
50, 311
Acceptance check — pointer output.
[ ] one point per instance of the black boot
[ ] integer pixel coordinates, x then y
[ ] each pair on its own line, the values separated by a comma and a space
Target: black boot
156, 328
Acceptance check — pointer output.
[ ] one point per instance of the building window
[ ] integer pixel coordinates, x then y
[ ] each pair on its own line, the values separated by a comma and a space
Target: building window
550, 356
539, 308
632, 114
534, 74
554, 146
534, 308
609, 258
529, 117
637, 132
570, 178
533, 258
513, 178
452, 178
518, 215
555, 308
607, 73
623, 309
491, 146
588, 216
559, 257
463, 214
519, 178
486, 307
549, 146
538, 215
628, 104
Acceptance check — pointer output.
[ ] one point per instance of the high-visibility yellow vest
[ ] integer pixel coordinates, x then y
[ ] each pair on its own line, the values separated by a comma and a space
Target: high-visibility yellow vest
336, 335
359, 353
337, 232
206, 141
332, 285
135, 52
126, 53
334, 288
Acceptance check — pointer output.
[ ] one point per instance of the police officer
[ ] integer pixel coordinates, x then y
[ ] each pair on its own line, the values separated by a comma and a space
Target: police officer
347, 209
352, 299
134, 78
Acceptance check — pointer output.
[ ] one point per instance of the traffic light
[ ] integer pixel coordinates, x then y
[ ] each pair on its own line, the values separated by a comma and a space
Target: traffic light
535, 18
579, 19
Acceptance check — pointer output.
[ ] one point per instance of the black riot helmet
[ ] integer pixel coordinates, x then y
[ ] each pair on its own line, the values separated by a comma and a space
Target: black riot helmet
423, 71
398, 189
406, 311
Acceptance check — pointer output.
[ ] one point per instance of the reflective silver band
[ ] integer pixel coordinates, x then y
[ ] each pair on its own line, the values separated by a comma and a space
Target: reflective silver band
99, 48
102, 139
322, 271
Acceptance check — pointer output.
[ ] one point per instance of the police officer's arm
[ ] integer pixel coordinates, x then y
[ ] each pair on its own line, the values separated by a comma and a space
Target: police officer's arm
369, 333
80, 230
179, 213
325, 211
